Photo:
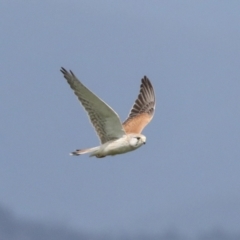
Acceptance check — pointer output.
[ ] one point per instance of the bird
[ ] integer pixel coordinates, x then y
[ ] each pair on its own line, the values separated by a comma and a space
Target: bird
115, 137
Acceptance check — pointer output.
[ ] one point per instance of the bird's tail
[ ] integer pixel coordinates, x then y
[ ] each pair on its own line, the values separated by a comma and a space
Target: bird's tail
83, 151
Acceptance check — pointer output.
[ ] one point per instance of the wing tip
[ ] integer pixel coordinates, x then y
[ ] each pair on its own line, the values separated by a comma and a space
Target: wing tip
65, 72
146, 81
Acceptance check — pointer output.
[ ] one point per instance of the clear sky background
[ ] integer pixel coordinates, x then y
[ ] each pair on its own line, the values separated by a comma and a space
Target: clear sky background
186, 177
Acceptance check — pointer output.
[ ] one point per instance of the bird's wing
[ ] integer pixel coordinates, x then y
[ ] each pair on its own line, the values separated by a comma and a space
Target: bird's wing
104, 119
143, 109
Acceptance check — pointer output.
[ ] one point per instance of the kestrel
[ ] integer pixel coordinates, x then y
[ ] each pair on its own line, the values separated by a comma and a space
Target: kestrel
115, 137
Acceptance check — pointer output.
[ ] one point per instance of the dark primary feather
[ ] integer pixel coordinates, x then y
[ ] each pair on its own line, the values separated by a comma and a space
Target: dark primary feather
145, 103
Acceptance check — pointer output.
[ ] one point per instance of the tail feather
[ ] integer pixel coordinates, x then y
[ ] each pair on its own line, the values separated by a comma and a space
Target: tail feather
83, 151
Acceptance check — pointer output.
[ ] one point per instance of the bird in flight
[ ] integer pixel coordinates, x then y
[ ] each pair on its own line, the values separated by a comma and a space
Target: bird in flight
115, 137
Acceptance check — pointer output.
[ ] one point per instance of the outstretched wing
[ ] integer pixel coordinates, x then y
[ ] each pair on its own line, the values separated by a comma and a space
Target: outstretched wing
104, 119
143, 109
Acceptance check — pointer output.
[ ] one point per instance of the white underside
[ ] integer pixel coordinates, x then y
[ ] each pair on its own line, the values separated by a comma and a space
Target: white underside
118, 146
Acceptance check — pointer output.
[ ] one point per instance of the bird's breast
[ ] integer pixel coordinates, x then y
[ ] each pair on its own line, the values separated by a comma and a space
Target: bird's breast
118, 146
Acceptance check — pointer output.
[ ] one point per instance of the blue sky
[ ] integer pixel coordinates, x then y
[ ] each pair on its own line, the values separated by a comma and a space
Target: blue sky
186, 176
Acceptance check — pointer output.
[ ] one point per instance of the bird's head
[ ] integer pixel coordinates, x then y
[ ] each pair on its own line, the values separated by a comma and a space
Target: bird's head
137, 140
